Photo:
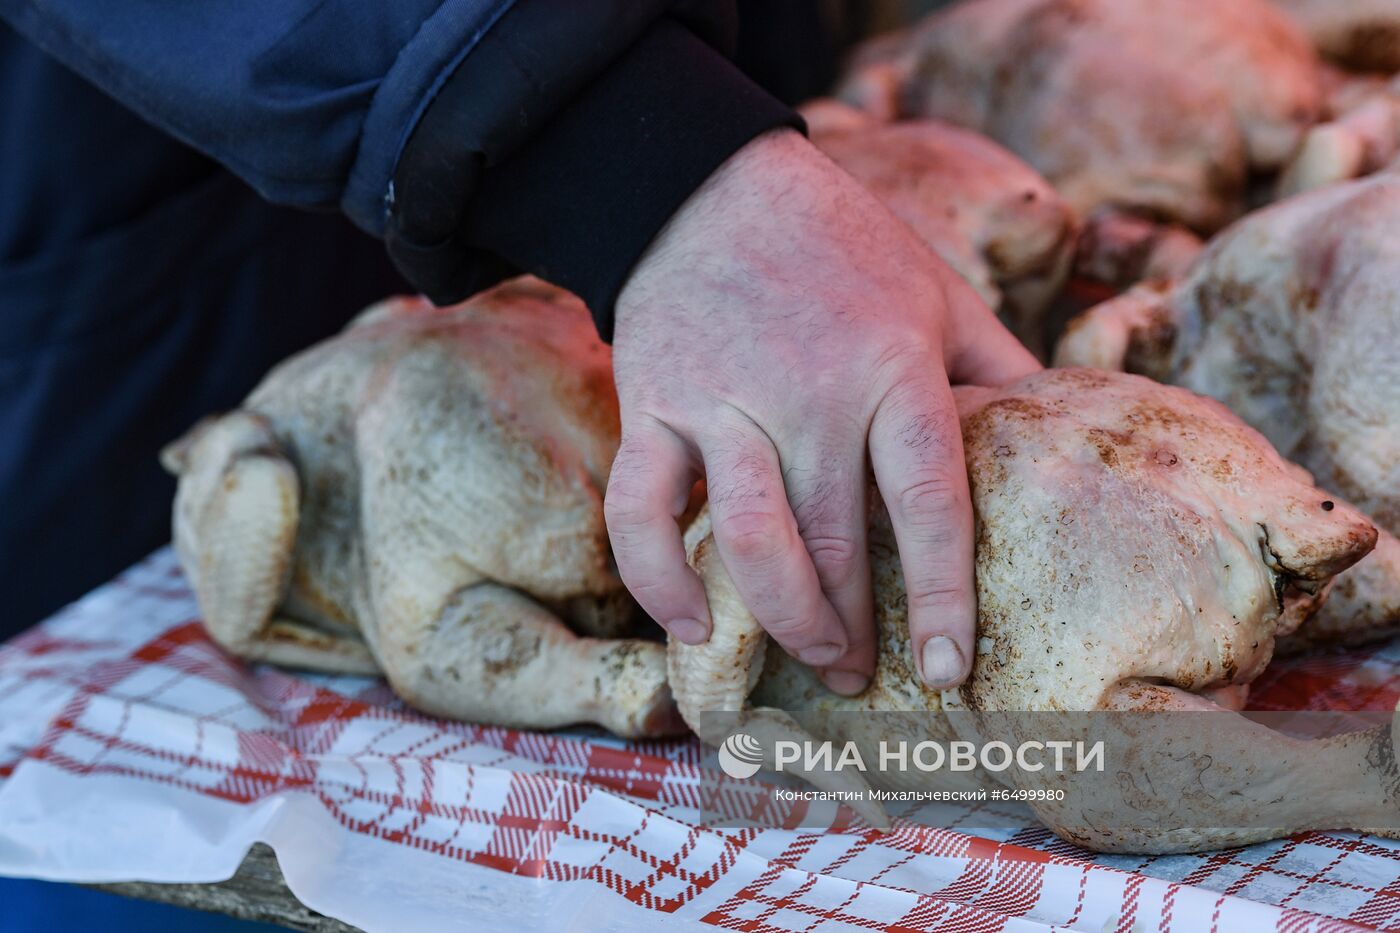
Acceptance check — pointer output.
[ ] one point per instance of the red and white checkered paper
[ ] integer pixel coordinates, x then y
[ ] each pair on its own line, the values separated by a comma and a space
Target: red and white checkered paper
131, 748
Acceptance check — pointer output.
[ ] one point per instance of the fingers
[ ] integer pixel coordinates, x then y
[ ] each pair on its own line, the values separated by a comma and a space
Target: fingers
648, 489
762, 550
992, 357
982, 351
828, 497
916, 449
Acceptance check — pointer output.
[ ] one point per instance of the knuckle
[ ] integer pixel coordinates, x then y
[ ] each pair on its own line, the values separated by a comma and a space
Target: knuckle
828, 514
746, 478
626, 507
824, 488
652, 590
928, 501
924, 594
926, 428
835, 556
907, 356
789, 630
633, 450
754, 538
813, 495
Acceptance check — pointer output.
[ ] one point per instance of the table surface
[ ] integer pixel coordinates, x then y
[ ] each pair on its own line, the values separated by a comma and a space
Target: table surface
121, 701
256, 892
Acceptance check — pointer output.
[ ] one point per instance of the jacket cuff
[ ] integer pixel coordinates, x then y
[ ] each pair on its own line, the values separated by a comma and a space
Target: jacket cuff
435, 52
579, 202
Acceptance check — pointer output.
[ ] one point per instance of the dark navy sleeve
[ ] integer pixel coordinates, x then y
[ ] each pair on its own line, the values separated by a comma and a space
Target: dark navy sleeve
309, 101
407, 113
579, 202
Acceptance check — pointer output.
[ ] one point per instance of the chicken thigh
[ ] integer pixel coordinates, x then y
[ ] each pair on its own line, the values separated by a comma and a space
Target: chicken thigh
988, 214
422, 496
1292, 319
1137, 547
1157, 107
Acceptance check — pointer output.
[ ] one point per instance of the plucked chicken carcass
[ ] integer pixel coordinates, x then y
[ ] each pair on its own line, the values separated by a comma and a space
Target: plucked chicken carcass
422, 496
988, 214
1138, 547
1363, 35
1156, 107
1292, 319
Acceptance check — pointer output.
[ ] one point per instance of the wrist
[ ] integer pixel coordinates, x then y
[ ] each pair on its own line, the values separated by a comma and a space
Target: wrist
772, 200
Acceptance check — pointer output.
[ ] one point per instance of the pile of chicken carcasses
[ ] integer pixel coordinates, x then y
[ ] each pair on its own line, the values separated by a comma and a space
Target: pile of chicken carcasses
421, 496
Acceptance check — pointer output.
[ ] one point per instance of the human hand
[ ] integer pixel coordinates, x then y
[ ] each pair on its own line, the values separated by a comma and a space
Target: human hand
781, 324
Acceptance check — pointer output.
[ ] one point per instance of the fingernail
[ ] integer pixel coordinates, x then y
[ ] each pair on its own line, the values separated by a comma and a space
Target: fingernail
846, 683
690, 631
942, 661
820, 655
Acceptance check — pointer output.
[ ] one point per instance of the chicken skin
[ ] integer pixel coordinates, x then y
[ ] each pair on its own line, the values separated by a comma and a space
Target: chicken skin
1160, 108
1138, 547
1292, 319
422, 495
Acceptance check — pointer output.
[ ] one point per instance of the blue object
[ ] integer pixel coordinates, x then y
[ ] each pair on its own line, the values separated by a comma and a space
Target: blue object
44, 907
144, 283
142, 286
309, 101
